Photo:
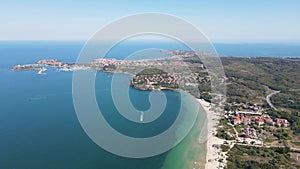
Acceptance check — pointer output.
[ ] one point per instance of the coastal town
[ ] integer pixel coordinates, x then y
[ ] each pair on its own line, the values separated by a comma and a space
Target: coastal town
166, 80
247, 123
174, 72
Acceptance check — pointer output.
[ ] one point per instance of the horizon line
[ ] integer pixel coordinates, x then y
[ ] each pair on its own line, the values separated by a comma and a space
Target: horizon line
155, 40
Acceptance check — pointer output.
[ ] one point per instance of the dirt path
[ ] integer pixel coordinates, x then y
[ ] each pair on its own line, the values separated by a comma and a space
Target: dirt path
236, 133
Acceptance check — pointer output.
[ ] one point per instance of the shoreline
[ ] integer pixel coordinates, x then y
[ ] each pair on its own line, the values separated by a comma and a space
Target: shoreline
190, 153
212, 154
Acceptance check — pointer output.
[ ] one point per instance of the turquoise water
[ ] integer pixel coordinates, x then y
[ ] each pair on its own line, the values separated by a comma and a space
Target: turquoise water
38, 124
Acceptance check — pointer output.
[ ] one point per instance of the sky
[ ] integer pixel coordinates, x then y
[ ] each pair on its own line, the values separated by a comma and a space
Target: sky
220, 20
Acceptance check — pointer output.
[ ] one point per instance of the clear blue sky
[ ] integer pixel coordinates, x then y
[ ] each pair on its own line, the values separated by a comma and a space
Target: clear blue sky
221, 21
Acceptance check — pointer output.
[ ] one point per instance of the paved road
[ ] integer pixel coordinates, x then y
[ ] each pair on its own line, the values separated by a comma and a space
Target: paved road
269, 101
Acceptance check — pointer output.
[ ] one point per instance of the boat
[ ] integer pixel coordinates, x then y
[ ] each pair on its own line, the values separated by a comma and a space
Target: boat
142, 117
42, 70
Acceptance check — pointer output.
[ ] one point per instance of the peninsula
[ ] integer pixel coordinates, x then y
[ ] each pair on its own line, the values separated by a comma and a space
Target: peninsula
260, 124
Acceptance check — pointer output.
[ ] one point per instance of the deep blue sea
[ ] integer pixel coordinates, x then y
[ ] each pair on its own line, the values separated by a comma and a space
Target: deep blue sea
258, 49
39, 127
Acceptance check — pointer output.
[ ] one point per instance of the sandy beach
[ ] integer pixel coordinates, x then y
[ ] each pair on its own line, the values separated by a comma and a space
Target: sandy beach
212, 154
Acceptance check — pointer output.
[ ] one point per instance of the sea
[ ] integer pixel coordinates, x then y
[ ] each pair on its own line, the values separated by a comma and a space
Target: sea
39, 126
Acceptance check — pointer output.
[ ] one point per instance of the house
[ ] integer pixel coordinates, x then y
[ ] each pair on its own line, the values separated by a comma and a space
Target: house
250, 132
246, 120
236, 120
282, 122
259, 121
255, 108
269, 121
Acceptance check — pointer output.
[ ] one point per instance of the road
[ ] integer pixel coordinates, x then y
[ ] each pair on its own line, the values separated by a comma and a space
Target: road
236, 133
269, 100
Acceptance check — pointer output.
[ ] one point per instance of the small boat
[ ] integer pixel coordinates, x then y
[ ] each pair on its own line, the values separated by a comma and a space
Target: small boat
42, 70
142, 117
